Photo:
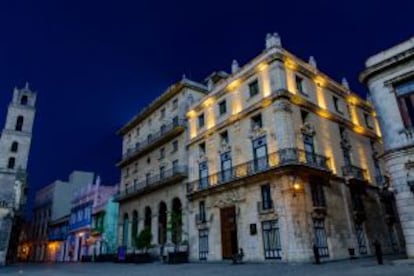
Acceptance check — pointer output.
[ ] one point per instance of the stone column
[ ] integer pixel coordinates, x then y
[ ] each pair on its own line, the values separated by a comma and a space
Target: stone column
284, 130
296, 235
277, 76
399, 164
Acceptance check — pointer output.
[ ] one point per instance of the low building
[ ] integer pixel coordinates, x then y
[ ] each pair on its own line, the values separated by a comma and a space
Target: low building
82, 240
52, 203
57, 233
389, 76
105, 226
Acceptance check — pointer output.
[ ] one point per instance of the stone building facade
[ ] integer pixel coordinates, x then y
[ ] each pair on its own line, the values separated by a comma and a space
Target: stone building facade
15, 144
389, 76
281, 159
51, 207
154, 169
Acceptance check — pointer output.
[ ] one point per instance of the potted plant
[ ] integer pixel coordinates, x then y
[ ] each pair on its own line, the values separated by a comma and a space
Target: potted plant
179, 252
143, 243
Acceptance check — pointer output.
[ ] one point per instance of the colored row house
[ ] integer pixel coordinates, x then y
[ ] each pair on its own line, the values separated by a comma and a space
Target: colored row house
86, 235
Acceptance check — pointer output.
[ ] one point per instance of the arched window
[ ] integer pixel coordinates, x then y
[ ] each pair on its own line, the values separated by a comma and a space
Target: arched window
162, 223
134, 230
147, 218
14, 147
11, 163
176, 221
19, 123
24, 100
125, 231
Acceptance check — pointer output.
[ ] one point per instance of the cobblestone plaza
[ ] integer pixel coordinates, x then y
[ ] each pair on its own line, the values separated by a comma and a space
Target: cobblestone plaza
365, 266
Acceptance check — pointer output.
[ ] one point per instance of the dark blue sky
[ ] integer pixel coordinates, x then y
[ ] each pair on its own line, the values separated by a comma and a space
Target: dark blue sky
96, 63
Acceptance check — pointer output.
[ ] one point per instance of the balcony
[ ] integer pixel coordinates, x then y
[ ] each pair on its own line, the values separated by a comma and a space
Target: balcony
354, 172
153, 141
200, 219
170, 176
283, 158
265, 207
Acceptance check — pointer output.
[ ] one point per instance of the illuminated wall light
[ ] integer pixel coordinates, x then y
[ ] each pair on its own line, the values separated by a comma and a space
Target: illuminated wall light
377, 128
324, 113
289, 63
359, 129
354, 115
262, 66
192, 127
210, 120
320, 97
351, 99
320, 81
290, 81
234, 84
208, 102
266, 102
236, 103
191, 114
264, 76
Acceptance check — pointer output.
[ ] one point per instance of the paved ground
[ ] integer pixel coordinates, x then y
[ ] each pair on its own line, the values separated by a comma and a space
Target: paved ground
365, 267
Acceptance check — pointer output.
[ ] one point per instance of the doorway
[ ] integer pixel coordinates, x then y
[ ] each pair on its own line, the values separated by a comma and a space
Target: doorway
228, 232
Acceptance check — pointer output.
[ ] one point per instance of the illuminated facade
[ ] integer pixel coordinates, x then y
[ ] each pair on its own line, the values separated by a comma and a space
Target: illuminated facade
281, 158
389, 76
154, 170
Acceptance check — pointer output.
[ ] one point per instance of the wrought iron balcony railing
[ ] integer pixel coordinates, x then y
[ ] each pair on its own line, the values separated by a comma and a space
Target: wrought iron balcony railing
354, 172
167, 176
153, 138
283, 157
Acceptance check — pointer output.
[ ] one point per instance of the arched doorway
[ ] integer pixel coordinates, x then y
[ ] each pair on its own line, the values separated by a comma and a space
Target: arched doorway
162, 223
148, 218
176, 221
125, 229
134, 230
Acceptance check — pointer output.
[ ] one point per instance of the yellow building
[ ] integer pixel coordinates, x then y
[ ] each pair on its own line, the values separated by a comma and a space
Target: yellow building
281, 159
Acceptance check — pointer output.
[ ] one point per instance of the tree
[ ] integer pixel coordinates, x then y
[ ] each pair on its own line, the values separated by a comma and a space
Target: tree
143, 240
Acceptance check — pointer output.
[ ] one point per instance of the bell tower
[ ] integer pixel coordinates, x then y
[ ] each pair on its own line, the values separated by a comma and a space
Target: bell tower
16, 136
15, 143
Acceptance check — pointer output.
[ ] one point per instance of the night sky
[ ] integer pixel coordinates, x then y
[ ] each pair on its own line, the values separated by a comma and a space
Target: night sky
95, 63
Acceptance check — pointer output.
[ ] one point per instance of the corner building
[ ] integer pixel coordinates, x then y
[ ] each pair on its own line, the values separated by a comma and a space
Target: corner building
389, 75
282, 158
154, 170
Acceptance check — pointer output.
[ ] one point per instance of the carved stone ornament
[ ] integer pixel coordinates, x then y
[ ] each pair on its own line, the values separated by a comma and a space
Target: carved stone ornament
257, 132
202, 157
308, 129
224, 147
282, 105
228, 198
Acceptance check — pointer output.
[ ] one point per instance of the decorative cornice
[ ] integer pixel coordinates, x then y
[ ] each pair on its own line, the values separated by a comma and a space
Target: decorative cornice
386, 64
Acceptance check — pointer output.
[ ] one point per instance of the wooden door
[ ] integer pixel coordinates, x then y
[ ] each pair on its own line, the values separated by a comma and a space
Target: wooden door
228, 232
